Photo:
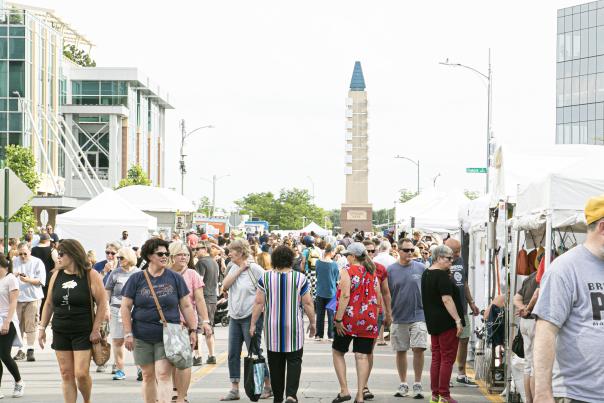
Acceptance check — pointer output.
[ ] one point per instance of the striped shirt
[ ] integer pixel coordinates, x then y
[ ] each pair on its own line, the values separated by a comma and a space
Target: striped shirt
283, 321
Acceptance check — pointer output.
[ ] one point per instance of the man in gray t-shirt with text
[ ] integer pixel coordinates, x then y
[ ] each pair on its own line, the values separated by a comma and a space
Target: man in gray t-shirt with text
408, 329
570, 316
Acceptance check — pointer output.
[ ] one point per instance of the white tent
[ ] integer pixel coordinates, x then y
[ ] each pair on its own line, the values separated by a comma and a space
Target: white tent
151, 198
433, 211
314, 227
102, 220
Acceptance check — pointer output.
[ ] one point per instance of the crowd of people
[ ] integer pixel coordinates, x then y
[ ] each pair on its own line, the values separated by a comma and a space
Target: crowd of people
351, 288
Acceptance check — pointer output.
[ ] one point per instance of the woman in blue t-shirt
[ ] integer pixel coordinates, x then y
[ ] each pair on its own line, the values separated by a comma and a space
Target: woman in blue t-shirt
327, 278
143, 330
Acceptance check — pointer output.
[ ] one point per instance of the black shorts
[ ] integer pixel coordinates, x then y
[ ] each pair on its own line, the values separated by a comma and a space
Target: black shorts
71, 341
363, 345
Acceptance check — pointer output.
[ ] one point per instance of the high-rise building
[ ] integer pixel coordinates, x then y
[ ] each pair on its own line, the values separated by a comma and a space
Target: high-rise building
86, 125
356, 210
580, 74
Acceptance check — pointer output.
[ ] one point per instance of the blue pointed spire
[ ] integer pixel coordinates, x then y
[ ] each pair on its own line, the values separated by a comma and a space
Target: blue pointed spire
358, 81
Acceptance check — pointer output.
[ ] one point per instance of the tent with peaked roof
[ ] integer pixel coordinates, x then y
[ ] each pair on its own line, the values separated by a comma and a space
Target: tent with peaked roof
102, 220
316, 228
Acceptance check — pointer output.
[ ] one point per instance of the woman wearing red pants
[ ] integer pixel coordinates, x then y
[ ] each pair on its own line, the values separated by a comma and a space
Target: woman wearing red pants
444, 319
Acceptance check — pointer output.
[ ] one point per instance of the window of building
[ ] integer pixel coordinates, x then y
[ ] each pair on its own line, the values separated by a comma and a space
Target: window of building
16, 78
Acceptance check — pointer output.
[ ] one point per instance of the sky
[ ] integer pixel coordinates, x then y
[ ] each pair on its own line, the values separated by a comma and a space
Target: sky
273, 76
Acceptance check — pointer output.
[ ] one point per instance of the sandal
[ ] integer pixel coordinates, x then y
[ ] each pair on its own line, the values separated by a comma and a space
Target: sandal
267, 393
367, 395
232, 395
340, 398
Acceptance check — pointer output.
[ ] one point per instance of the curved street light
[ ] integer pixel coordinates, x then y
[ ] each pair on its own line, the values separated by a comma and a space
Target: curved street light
183, 137
416, 164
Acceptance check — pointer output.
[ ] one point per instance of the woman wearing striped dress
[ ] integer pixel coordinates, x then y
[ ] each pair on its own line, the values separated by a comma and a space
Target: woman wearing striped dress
281, 294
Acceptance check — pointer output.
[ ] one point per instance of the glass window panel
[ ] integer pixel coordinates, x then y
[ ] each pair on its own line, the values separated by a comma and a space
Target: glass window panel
567, 91
584, 20
576, 90
560, 70
583, 69
567, 114
591, 111
592, 6
3, 121
575, 134
599, 110
577, 9
582, 113
600, 39
76, 87
3, 48
13, 105
575, 69
584, 44
17, 31
591, 132
560, 115
577, 44
582, 90
15, 120
106, 100
592, 42
568, 23
584, 7
90, 87
123, 88
599, 130
576, 22
16, 48
592, 18
3, 30
600, 87
600, 64
568, 11
561, 12
106, 88
592, 65
568, 69
567, 134
575, 113
3, 79
600, 17
582, 132
559, 134
14, 139
90, 100
568, 45
16, 78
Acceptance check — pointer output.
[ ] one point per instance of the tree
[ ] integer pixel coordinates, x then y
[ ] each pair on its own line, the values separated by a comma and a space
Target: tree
286, 210
135, 176
334, 218
383, 216
205, 206
78, 56
22, 162
471, 194
406, 195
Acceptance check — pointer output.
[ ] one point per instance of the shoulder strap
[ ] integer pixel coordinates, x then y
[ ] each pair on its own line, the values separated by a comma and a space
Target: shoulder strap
254, 281
161, 313
90, 294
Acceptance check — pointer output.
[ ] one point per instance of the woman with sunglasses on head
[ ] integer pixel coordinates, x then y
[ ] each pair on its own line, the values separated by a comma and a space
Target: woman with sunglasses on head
115, 282
444, 319
181, 259
68, 304
143, 329
9, 291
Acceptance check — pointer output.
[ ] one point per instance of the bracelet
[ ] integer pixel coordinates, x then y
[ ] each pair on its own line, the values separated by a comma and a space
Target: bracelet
205, 321
337, 321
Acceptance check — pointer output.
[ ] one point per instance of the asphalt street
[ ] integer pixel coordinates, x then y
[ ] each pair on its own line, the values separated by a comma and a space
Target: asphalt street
210, 382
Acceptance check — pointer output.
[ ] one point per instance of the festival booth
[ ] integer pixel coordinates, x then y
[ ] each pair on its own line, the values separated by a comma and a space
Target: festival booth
316, 228
162, 203
102, 220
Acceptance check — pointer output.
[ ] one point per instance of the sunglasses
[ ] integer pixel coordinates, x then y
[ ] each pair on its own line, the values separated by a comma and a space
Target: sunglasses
408, 250
120, 258
61, 254
162, 254
370, 250
108, 252
449, 258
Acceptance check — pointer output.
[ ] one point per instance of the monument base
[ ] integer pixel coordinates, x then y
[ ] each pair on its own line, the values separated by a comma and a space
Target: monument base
356, 217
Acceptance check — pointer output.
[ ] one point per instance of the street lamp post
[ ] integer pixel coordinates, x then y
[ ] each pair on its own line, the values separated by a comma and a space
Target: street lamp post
489, 78
313, 188
213, 182
416, 164
183, 137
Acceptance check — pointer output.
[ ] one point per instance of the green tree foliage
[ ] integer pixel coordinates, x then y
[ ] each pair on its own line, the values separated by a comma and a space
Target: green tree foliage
383, 216
205, 206
285, 210
136, 176
406, 195
78, 56
471, 194
22, 162
334, 218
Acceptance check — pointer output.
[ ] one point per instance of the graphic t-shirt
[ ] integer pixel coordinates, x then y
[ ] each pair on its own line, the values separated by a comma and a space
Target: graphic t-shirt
405, 288
459, 277
571, 297
170, 287
115, 282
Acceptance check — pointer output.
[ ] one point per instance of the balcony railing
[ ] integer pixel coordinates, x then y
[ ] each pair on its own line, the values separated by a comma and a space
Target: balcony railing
102, 173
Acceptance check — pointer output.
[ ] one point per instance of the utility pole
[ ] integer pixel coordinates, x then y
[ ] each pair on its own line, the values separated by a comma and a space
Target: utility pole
213, 182
183, 137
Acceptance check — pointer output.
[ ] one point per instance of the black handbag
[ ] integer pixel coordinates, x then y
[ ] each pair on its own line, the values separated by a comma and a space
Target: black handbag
518, 345
253, 372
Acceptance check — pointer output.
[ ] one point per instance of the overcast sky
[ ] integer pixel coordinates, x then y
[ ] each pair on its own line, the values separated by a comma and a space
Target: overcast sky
273, 76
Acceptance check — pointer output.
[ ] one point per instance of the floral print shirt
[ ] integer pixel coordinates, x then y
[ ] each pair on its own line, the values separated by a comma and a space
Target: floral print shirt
360, 317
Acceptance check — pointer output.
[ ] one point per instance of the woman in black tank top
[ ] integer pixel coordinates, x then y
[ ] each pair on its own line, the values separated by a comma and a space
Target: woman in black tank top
68, 304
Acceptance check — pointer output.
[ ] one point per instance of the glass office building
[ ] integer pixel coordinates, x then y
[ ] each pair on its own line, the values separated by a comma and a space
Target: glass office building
580, 74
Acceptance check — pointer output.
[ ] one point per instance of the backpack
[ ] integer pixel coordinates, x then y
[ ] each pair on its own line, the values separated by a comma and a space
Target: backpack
313, 256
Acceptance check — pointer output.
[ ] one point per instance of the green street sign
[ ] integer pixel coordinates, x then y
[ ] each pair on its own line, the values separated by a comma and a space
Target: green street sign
476, 170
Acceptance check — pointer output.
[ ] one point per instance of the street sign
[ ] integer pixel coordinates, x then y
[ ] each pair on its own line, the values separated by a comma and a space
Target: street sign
476, 170
18, 195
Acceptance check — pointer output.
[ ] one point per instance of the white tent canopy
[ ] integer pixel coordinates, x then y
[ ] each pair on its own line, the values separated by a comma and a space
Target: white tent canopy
314, 227
151, 198
433, 211
102, 220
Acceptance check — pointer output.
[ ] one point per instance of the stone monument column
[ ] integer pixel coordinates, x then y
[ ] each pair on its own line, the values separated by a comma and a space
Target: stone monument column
356, 210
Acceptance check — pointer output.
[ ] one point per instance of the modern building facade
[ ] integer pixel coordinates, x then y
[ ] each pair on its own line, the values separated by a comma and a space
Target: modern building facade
356, 212
86, 125
580, 74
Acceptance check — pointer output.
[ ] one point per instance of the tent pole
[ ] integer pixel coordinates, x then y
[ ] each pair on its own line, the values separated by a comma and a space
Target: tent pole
548, 239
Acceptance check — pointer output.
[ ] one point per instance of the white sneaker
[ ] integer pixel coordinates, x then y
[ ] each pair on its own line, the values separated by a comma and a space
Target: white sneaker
417, 391
1, 395
402, 391
19, 389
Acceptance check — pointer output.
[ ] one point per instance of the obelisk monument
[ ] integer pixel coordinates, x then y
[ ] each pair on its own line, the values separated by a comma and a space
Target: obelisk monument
356, 213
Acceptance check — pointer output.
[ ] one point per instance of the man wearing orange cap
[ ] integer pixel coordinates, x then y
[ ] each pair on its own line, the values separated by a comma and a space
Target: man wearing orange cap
570, 316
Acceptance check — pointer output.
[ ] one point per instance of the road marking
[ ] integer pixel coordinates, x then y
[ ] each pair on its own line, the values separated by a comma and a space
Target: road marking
208, 368
483, 388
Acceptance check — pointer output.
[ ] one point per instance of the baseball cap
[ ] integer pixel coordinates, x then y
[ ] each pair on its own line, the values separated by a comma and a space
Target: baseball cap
594, 209
356, 249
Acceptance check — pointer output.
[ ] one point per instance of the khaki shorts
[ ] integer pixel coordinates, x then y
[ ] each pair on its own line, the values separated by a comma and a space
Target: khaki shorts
467, 329
408, 335
115, 324
28, 314
146, 353
527, 328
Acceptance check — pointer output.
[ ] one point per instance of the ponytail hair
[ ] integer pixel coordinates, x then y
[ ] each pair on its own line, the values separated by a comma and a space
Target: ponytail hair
367, 263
